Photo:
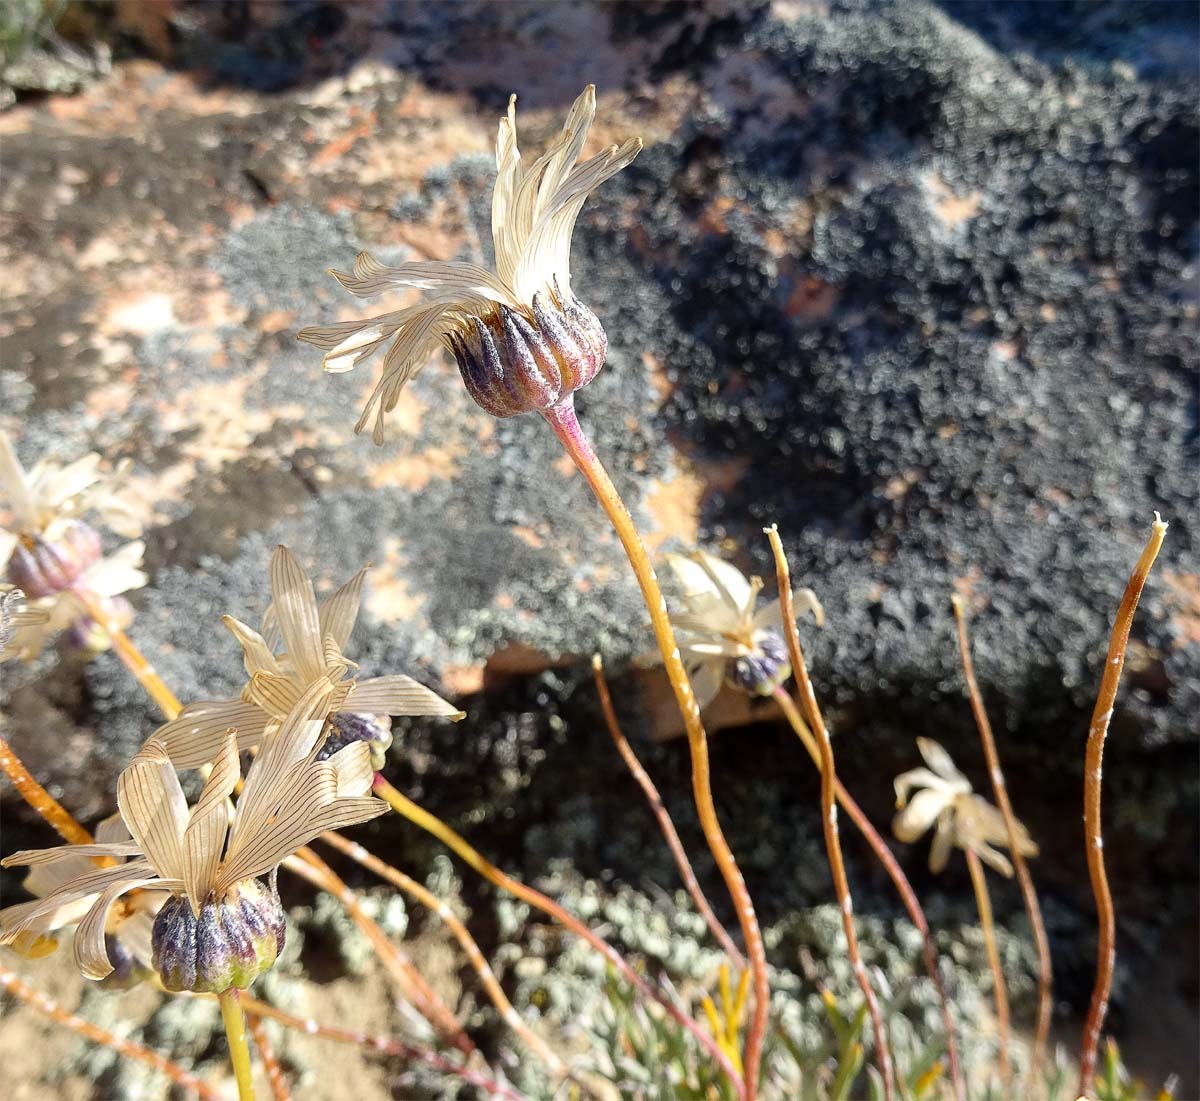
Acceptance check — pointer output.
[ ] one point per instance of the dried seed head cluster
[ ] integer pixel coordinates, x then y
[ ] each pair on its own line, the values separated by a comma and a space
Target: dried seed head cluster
51, 552
205, 861
723, 635
959, 817
312, 636
200, 915
521, 338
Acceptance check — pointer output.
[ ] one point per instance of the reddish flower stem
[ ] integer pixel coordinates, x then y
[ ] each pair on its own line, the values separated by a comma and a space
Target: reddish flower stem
892, 866
275, 1076
829, 783
37, 1001
1093, 765
1000, 791
459, 845
663, 818
565, 424
385, 1045
480, 965
309, 866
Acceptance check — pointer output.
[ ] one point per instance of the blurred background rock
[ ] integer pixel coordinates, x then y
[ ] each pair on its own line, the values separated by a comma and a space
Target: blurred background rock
917, 281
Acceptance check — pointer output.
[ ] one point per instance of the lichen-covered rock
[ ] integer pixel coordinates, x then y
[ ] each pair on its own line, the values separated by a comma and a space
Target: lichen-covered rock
915, 281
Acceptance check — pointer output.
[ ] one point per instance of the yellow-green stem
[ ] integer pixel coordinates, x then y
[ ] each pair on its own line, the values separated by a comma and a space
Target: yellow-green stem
239, 1048
999, 991
563, 421
829, 784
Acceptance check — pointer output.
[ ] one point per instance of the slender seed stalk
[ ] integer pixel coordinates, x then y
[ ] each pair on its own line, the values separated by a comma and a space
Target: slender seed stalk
983, 901
133, 659
663, 818
433, 825
38, 1002
266, 1053
1092, 770
40, 799
486, 976
833, 844
424, 998
907, 895
239, 1048
565, 424
384, 1045
1024, 878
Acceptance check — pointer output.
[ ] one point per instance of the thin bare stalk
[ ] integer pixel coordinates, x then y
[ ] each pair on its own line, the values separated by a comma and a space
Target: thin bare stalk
433, 825
132, 658
829, 785
565, 424
1092, 770
47, 1007
486, 976
239, 1048
385, 1045
890, 865
40, 799
308, 865
1024, 878
275, 1076
663, 818
999, 991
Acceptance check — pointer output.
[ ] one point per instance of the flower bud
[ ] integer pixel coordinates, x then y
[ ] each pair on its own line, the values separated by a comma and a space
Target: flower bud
44, 568
763, 670
346, 727
513, 362
230, 943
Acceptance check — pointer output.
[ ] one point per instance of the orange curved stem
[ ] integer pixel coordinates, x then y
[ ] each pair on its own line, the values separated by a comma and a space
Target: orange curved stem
1092, 769
565, 424
829, 784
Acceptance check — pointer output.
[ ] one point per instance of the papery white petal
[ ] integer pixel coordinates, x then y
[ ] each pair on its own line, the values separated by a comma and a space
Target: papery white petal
154, 809
939, 760
195, 737
398, 695
919, 815
295, 606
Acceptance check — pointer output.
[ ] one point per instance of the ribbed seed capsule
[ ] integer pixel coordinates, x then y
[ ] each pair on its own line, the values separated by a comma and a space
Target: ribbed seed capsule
759, 673
229, 943
351, 726
515, 363
43, 568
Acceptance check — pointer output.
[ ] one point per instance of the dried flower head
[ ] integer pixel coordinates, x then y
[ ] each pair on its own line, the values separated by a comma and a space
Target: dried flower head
521, 338
723, 635
53, 554
209, 866
127, 927
960, 817
312, 636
